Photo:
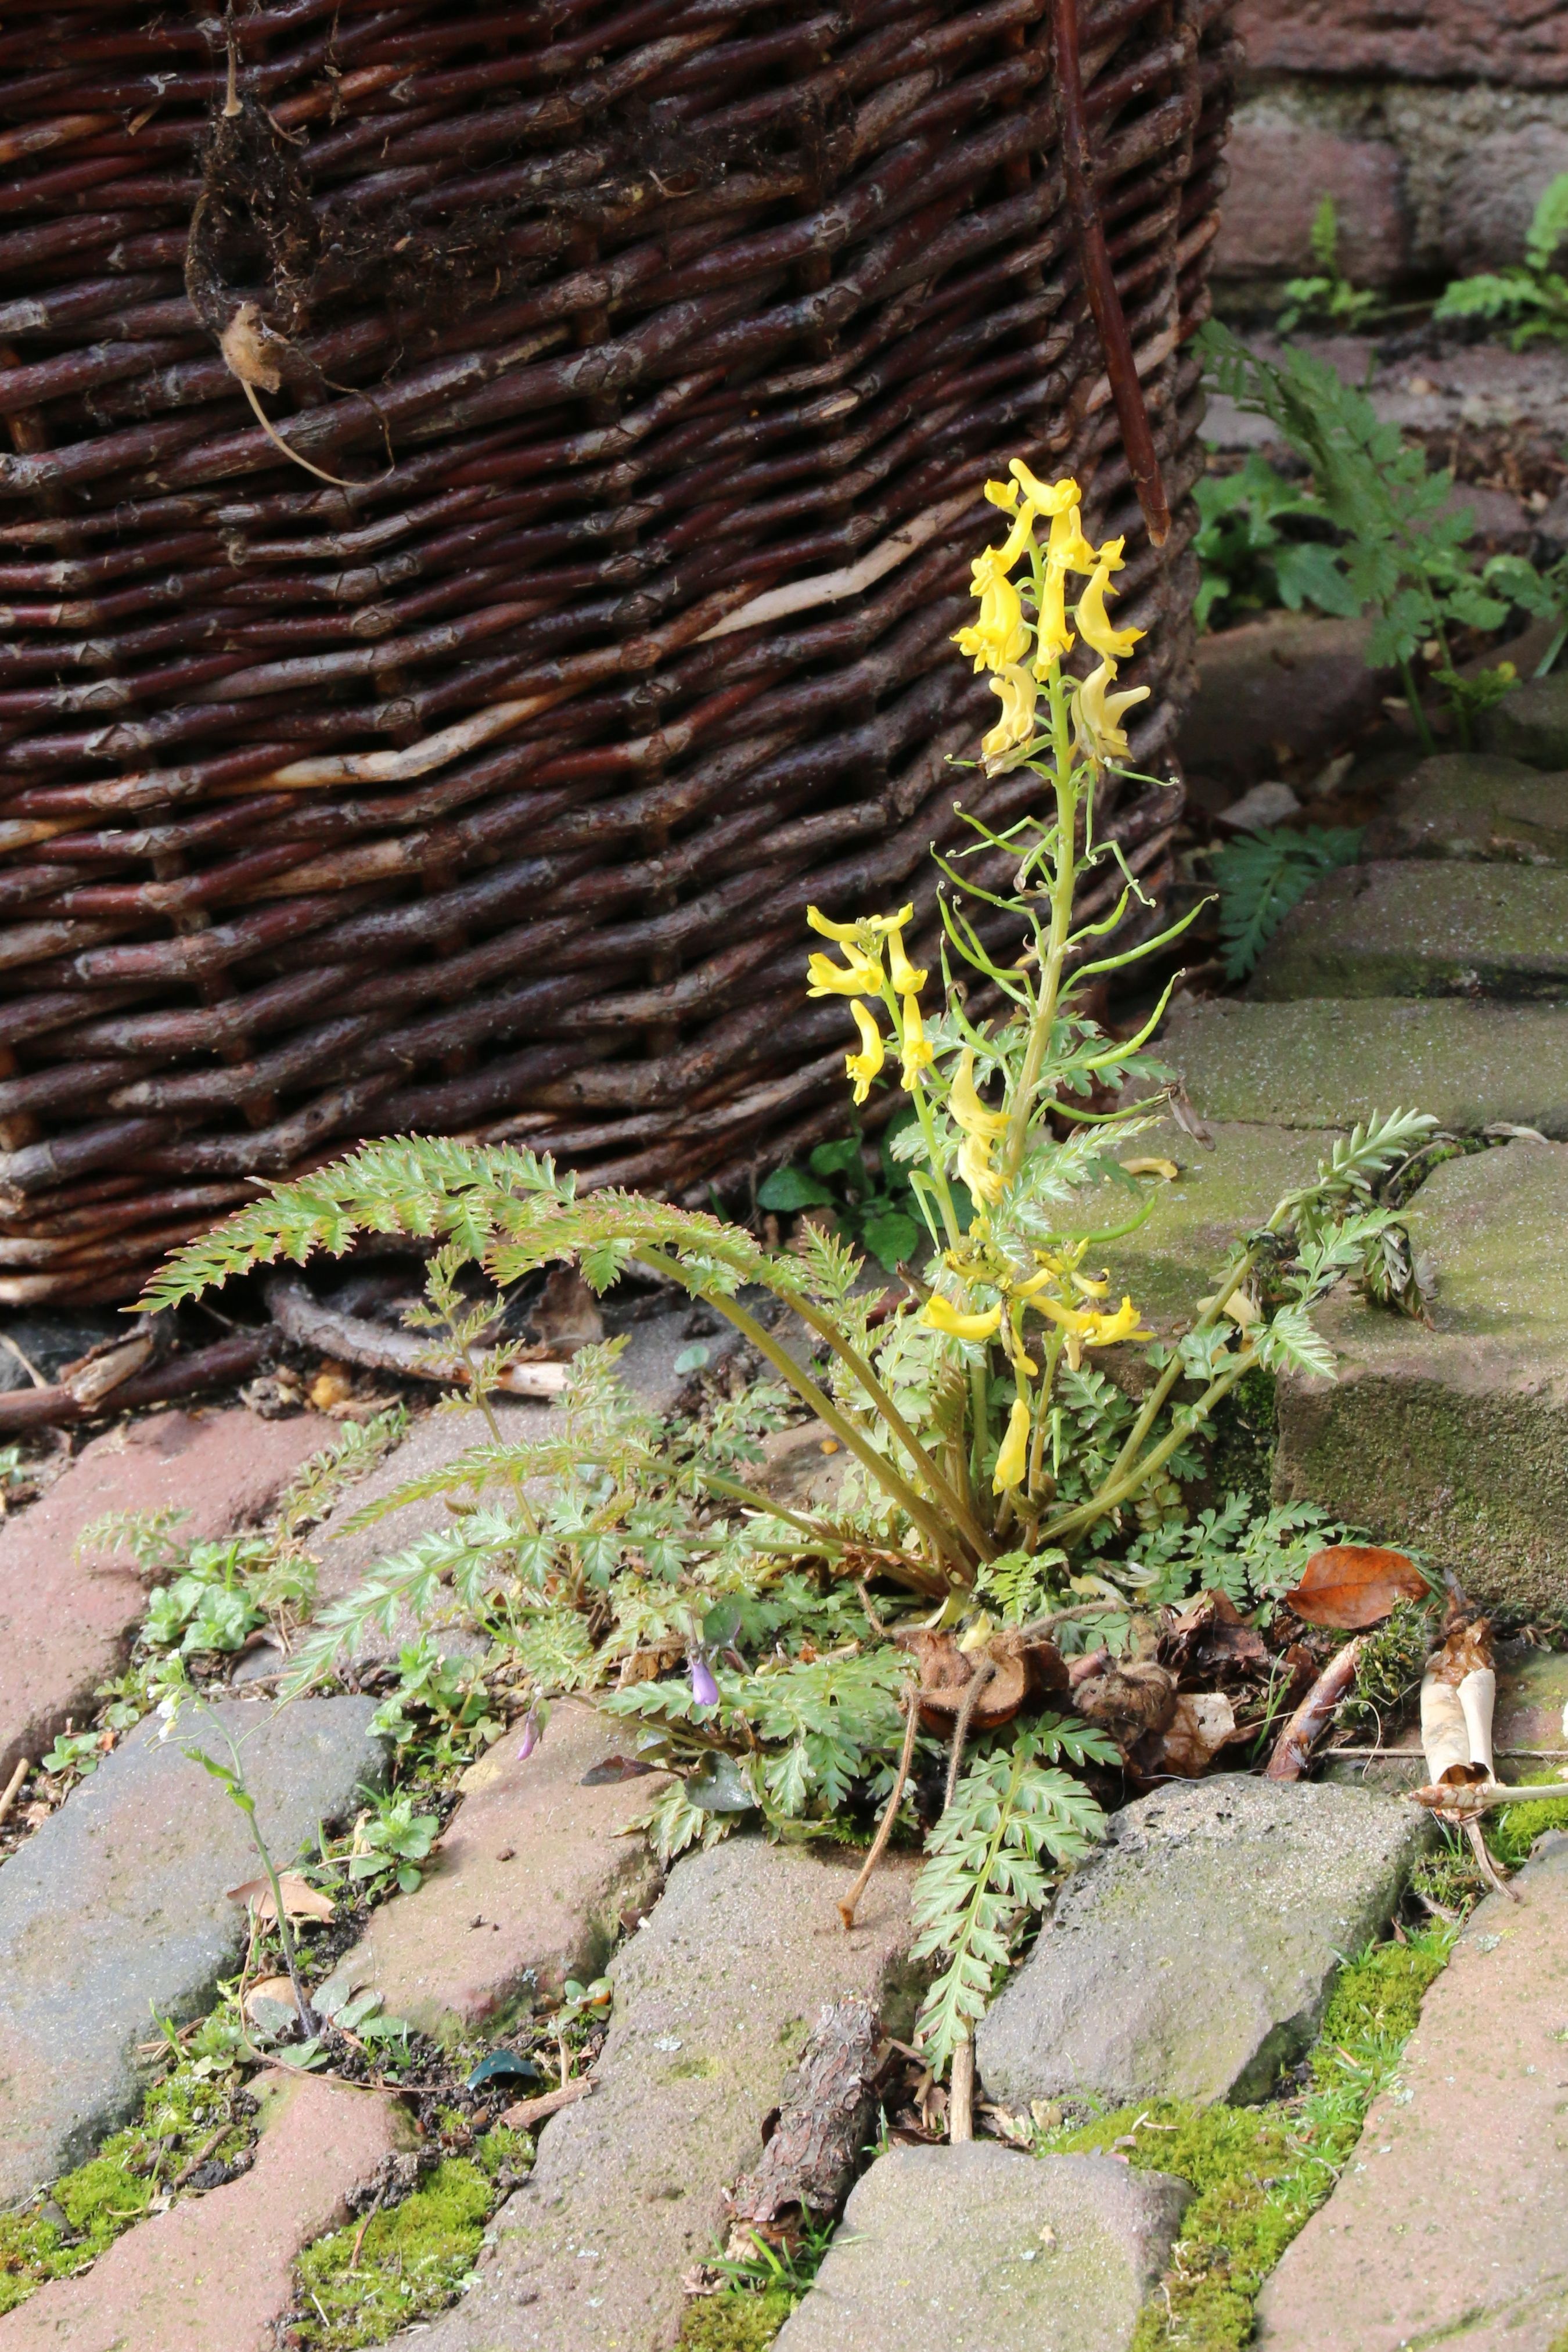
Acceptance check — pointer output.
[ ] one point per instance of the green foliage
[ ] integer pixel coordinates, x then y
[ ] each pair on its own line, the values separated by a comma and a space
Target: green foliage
1529, 296
412, 2260
1251, 1556
880, 1214
82, 2213
1260, 2172
986, 1867
388, 1843
1263, 542
1389, 1665
1262, 874
737, 2320
1328, 299
1405, 557
1512, 1830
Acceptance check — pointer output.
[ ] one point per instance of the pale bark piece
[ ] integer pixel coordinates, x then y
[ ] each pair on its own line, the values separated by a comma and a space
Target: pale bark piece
715, 1995
66, 1623
1449, 2225
811, 2157
214, 2274
525, 1888
980, 2249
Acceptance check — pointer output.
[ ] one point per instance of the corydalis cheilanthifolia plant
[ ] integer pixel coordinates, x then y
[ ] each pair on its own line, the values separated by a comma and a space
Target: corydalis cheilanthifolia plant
998, 1478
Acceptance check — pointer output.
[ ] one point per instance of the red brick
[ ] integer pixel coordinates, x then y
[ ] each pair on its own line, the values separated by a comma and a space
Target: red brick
1281, 171
1449, 2222
214, 2274
526, 1887
65, 1624
1521, 42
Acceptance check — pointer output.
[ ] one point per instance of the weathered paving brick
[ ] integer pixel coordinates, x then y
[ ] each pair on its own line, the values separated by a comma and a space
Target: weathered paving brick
525, 1888
1475, 805
714, 1995
1456, 1439
1415, 927
65, 1624
1449, 2225
114, 1915
1191, 1956
979, 2248
213, 2275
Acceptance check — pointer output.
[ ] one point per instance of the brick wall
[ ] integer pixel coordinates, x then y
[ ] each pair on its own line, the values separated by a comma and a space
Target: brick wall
1435, 124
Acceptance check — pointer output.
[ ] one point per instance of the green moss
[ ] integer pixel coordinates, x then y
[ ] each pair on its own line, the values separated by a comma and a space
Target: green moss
101, 2198
1388, 1670
736, 2321
412, 2260
1242, 1436
1259, 2172
1513, 1829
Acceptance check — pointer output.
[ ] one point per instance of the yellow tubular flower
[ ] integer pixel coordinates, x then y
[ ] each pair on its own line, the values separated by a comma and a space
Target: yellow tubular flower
1003, 495
847, 933
1091, 1287
862, 976
906, 980
966, 1107
1067, 547
913, 1049
863, 1065
943, 1315
1000, 633
1019, 690
1013, 1458
1107, 1329
1097, 716
1045, 497
1113, 644
974, 1165
1053, 637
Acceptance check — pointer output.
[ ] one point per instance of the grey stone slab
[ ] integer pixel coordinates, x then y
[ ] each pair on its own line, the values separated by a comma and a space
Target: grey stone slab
714, 1996
1449, 2225
1419, 928
1475, 805
1531, 723
1290, 683
1191, 1956
979, 2248
1327, 1062
113, 1915
1456, 1439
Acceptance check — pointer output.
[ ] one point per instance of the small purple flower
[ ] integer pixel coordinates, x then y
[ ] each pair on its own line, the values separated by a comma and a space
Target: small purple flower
532, 1735
705, 1690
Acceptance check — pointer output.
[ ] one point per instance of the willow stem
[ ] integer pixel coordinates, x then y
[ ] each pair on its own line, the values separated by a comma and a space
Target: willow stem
885, 1826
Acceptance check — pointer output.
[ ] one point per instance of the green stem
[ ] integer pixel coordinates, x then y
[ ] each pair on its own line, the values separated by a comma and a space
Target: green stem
1062, 888
1412, 704
1113, 1496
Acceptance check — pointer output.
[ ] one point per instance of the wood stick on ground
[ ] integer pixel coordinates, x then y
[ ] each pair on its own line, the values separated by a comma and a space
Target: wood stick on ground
526, 2113
1293, 1749
201, 2156
12, 1786
214, 1367
352, 1338
895, 1799
960, 2093
811, 2156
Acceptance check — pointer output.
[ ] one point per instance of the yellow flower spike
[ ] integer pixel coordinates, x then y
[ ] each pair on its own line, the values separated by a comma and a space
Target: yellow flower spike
1053, 638
1097, 716
863, 1065
1019, 690
914, 1051
966, 1107
906, 980
942, 1314
1113, 644
862, 976
1013, 1458
1000, 635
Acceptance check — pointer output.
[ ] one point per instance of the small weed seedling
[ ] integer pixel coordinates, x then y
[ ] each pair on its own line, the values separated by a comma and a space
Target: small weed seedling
1531, 296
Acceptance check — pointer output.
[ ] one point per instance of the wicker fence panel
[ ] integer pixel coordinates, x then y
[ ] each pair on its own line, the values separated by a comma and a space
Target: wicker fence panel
648, 357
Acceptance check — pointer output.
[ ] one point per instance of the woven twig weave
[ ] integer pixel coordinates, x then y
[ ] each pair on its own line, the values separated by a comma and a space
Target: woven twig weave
666, 348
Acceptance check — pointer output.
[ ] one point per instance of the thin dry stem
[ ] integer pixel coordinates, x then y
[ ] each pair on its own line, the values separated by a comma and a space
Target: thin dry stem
885, 1827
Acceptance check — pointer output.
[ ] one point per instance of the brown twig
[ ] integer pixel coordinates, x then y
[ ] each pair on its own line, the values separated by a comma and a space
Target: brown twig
977, 1681
12, 1786
885, 1826
201, 2156
1293, 1749
302, 1318
1100, 279
526, 2113
960, 2093
214, 1367
359, 2233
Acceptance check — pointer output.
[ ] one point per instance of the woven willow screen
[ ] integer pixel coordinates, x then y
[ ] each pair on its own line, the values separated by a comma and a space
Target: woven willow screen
470, 767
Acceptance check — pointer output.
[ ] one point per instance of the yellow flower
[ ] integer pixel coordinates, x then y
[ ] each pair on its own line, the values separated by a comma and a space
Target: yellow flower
974, 1165
1049, 498
1097, 716
1067, 547
906, 980
1113, 644
862, 976
1107, 1329
1053, 637
1000, 633
1091, 1287
966, 1107
944, 1316
1019, 691
847, 933
914, 1050
1013, 1458
863, 1065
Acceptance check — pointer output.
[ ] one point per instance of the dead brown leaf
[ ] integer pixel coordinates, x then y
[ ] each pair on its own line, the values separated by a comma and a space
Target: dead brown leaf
1130, 1701
1349, 1586
1208, 1640
946, 1672
300, 1899
1201, 1723
565, 1315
